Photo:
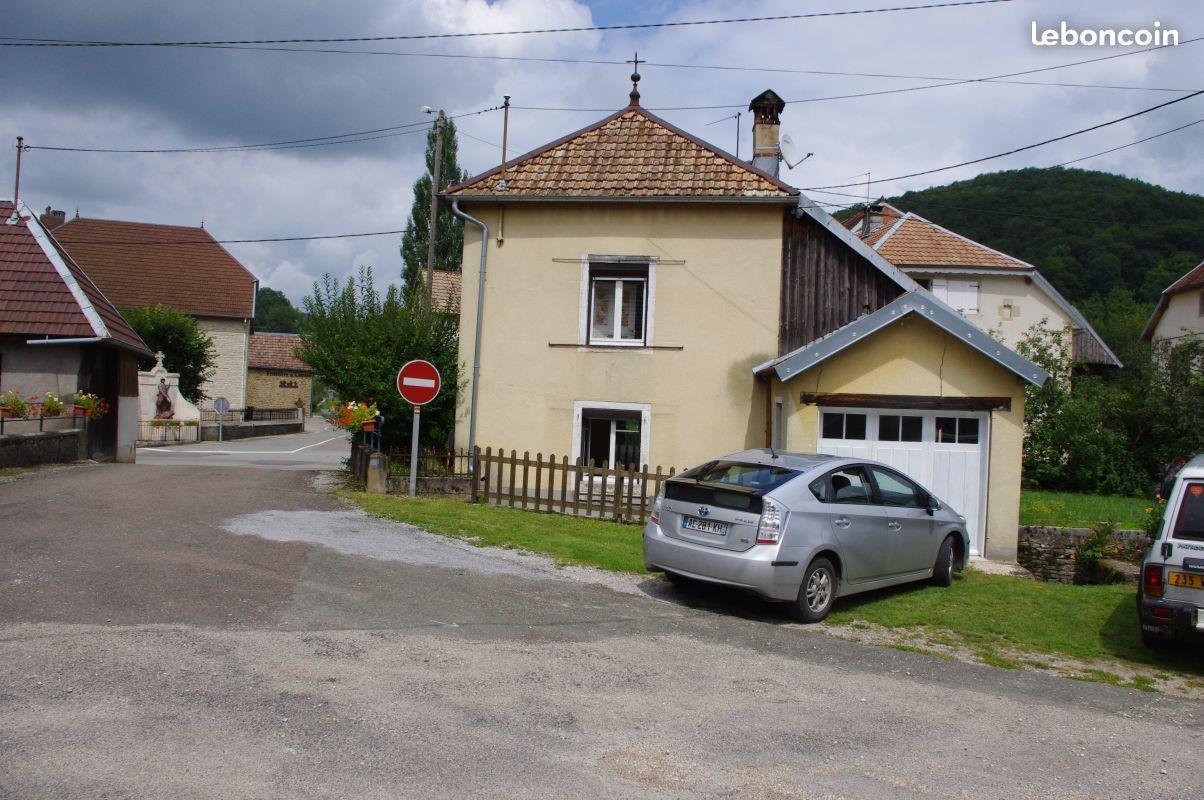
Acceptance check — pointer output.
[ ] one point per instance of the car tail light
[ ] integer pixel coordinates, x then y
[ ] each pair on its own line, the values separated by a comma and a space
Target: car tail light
655, 516
1161, 612
1151, 580
769, 529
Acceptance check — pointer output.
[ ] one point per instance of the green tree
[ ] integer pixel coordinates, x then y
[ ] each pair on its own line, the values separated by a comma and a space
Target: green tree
274, 313
355, 341
449, 242
186, 348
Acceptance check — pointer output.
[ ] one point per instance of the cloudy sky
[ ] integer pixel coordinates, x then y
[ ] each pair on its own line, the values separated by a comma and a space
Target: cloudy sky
151, 98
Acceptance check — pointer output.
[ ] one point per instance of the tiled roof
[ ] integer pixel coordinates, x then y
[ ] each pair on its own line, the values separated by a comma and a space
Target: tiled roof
139, 264
890, 215
631, 153
275, 351
39, 297
1192, 280
914, 241
445, 290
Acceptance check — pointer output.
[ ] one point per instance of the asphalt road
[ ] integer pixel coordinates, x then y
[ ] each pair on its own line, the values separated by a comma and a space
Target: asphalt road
204, 632
320, 447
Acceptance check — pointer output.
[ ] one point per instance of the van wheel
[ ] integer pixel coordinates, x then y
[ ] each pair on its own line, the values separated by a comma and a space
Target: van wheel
817, 593
942, 571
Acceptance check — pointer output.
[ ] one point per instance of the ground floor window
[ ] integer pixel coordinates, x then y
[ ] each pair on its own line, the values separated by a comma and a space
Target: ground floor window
611, 435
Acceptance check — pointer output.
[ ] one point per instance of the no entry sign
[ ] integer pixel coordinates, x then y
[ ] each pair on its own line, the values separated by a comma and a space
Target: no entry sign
418, 382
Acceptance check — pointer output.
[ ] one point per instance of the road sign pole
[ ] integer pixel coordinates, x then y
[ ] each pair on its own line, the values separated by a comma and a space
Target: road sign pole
414, 453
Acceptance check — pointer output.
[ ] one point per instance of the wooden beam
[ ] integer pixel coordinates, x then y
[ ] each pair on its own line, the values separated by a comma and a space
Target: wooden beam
908, 401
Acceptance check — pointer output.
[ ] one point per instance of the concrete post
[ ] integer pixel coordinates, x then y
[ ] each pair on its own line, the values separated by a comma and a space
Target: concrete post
377, 479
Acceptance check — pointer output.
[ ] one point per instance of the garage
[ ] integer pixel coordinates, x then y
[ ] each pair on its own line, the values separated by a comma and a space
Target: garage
945, 451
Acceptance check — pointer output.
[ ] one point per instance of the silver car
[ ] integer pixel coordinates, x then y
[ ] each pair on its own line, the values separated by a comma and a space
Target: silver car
802, 529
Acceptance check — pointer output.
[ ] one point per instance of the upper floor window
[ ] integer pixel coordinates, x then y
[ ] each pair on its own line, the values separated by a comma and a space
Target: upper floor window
618, 304
960, 294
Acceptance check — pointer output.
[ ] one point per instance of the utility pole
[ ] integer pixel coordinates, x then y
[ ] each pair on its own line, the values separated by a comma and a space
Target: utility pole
430, 245
16, 215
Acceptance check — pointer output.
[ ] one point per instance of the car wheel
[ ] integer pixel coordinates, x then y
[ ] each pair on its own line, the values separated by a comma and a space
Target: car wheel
817, 593
942, 571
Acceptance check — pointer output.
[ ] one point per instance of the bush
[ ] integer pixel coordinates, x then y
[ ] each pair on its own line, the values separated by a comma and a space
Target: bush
186, 348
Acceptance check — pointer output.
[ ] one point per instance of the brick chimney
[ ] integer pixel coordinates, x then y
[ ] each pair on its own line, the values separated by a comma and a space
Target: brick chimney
766, 109
52, 218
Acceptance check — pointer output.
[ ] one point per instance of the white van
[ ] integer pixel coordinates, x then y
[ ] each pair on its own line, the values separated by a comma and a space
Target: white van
1170, 597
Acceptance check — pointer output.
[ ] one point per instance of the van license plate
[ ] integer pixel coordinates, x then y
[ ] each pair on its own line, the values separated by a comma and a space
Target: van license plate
1185, 579
706, 526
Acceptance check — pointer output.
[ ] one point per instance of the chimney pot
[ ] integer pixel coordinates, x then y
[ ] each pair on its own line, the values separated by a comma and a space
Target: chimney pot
52, 218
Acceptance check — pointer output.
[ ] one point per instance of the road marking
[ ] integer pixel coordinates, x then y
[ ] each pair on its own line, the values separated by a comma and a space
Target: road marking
429, 383
165, 451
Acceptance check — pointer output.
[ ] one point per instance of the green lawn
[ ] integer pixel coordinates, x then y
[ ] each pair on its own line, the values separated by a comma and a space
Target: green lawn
568, 540
999, 614
1082, 510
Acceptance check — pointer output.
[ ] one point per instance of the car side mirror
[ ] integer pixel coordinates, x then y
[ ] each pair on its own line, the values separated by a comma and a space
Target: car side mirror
931, 505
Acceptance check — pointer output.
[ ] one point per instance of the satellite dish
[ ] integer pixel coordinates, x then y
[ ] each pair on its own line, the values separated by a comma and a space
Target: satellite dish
790, 152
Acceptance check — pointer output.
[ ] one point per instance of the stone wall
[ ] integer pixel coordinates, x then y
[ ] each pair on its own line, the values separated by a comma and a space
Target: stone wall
246, 430
52, 447
276, 388
1050, 553
230, 356
457, 488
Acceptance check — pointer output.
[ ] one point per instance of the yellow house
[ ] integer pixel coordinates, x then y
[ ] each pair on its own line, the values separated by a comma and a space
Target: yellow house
651, 300
1180, 310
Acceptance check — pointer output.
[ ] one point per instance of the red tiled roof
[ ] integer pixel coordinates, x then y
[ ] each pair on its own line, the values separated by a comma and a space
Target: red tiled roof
631, 153
37, 299
139, 264
445, 290
909, 240
1192, 280
275, 351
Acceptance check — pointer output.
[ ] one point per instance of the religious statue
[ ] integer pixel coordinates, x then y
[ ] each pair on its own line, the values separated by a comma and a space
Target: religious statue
163, 408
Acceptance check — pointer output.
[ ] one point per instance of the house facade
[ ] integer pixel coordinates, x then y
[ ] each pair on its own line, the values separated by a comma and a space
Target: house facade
997, 292
276, 377
60, 334
140, 264
653, 301
1180, 309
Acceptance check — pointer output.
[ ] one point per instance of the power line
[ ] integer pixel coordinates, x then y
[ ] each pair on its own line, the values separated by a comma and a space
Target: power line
14, 41
1014, 150
1002, 78
317, 141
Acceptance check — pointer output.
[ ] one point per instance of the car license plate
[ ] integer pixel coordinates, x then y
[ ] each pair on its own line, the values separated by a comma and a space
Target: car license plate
1185, 579
705, 526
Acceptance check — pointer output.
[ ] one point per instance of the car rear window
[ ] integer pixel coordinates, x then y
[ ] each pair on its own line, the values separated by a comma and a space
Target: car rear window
1189, 524
761, 477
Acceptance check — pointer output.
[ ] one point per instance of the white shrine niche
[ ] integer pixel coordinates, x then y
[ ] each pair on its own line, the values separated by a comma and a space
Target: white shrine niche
148, 388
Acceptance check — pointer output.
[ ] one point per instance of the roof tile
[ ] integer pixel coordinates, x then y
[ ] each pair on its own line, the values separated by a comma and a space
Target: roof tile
275, 351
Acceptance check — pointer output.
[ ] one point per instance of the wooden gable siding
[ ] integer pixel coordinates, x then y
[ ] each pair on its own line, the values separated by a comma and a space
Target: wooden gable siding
825, 284
1086, 348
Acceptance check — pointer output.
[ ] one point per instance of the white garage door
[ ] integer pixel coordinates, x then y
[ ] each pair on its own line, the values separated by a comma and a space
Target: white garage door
945, 451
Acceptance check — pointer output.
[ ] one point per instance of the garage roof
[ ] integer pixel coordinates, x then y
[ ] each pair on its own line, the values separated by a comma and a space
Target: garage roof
919, 303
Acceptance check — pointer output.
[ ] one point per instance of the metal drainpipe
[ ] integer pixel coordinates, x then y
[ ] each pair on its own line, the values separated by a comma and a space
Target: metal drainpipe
476, 351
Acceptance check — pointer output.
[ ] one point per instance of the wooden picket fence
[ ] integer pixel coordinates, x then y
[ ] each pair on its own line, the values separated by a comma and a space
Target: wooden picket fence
559, 487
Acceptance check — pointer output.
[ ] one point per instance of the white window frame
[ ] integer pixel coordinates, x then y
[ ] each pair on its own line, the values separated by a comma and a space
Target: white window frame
951, 290
584, 327
644, 409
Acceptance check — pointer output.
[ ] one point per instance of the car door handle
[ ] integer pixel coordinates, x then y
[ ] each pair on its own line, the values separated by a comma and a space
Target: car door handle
841, 522
894, 525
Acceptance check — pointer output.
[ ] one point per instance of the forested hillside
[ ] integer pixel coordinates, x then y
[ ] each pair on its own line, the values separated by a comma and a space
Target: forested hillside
1088, 232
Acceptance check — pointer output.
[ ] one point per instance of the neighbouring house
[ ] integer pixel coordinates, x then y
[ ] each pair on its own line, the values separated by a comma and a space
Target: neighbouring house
445, 290
659, 301
276, 377
139, 264
60, 334
997, 292
1180, 310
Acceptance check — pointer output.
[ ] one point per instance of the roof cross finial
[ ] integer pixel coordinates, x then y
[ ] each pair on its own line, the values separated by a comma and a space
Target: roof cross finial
635, 79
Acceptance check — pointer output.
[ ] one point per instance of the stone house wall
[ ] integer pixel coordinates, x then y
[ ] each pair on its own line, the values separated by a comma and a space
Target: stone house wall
277, 388
229, 378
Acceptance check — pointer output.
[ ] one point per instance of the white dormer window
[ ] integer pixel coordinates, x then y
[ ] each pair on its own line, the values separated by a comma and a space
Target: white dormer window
960, 294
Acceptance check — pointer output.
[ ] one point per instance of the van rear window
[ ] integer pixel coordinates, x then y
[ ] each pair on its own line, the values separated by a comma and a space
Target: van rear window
1189, 524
